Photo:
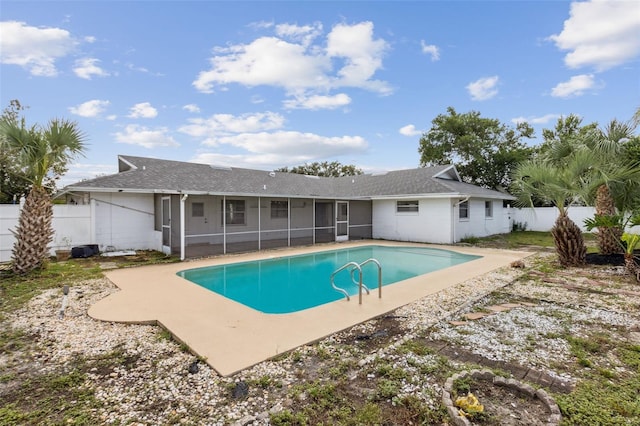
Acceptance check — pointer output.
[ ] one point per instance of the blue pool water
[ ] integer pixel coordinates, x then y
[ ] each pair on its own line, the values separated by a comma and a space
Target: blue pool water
289, 284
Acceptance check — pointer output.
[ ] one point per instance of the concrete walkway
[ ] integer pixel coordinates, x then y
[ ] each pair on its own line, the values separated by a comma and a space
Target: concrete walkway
232, 337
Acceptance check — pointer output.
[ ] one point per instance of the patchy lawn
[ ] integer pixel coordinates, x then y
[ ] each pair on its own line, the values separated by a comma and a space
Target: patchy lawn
574, 333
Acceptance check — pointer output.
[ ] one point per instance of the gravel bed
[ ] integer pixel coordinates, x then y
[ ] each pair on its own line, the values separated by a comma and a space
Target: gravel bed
155, 386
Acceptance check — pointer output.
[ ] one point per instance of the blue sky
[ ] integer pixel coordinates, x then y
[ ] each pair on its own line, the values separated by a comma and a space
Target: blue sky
280, 83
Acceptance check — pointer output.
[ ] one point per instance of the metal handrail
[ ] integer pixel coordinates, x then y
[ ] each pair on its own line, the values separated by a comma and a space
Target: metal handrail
343, 291
358, 266
372, 260
357, 282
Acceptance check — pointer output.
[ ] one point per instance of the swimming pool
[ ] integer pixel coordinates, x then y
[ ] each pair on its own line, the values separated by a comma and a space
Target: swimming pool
293, 283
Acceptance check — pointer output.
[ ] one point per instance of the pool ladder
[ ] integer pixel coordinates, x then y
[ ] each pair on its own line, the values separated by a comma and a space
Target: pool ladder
357, 267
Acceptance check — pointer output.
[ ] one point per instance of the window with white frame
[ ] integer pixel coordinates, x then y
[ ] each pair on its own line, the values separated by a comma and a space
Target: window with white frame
488, 209
463, 210
235, 212
410, 206
279, 209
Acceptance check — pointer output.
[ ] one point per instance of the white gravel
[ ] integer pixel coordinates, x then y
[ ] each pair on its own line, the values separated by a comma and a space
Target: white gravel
156, 388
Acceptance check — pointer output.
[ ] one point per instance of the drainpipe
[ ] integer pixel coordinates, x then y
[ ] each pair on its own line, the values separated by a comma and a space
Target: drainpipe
182, 225
453, 219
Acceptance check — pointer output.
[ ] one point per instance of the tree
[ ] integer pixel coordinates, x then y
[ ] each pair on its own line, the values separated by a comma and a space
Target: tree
611, 167
559, 184
613, 195
558, 142
325, 169
42, 152
12, 185
484, 151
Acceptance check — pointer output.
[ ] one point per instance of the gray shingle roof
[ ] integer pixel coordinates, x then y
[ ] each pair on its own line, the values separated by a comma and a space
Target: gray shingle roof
142, 174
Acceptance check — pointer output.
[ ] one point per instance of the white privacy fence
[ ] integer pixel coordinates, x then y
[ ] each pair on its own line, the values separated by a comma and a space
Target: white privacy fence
71, 223
543, 218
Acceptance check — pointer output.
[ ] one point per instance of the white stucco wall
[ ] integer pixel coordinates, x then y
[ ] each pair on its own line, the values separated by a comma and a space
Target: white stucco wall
437, 221
478, 224
432, 222
124, 221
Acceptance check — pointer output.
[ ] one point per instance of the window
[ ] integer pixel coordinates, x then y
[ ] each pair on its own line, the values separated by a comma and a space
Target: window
488, 209
463, 210
235, 212
197, 209
279, 209
407, 206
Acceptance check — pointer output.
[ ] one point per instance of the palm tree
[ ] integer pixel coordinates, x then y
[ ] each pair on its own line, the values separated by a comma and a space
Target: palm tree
559, 184
616, 174
43, 153
609, 145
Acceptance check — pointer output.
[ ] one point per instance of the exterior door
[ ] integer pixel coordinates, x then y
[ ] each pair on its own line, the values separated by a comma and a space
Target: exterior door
166, 225
198, 212
342, 220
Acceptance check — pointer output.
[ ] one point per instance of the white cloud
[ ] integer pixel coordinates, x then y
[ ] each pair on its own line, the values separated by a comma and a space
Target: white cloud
266, 61
86, 67
92, 108
305, 34
33, 48
142, 110
602, 34
483, 89
430, 49
290, 143
90, 39
576, 86
273, 150
318, 102
149, 138
362, 55
225, 124
83, 171
544, 119
191, 108
410, 130
300, 64
261, 141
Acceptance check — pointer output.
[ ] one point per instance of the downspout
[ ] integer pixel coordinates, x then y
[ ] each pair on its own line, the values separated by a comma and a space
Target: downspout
92, 221
182, 225
453, 219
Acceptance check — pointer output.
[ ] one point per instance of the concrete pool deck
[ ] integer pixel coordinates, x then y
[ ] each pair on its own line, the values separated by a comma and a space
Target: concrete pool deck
232, 337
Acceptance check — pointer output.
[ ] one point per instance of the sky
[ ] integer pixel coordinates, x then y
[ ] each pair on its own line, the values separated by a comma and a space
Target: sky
268, 84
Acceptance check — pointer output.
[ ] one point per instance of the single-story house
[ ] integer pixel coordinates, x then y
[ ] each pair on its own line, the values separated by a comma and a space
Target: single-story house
197, 210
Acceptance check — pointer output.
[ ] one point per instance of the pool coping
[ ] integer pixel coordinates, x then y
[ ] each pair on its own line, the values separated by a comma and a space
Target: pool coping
232, 337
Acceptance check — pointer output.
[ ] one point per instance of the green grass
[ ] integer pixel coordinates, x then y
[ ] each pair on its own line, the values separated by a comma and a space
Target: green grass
59, 396
16, 290
518, 239
54, 398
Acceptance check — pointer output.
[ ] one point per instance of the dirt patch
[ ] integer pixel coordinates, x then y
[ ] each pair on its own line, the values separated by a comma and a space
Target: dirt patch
384, 331
616, 259
508, 407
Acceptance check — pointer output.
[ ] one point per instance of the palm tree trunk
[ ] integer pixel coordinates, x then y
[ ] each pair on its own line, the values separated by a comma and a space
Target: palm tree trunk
569, 242
631, 266
608, 238
33, 233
